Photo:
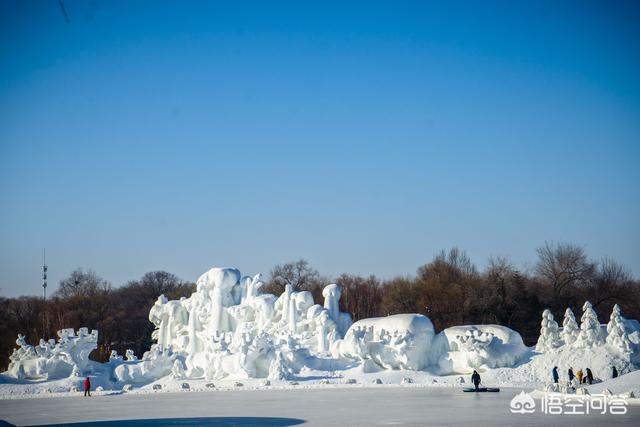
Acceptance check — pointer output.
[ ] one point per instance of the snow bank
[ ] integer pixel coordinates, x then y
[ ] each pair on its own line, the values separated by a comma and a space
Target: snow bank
624, 384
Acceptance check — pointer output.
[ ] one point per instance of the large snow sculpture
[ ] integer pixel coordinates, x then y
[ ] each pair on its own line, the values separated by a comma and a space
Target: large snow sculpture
400, 341
590, 332
570, 328
549, 333
461, 349
227, 329
51, 360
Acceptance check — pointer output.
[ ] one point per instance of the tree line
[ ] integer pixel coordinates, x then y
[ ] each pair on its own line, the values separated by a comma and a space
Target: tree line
449, 289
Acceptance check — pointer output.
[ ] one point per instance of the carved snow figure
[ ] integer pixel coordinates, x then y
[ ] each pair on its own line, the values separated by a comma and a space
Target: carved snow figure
463, 349
278, 369
331, 296
570, 328
155, 363
549, 333
616, 334
407, 347
49, 361
178, 370
590, 334
293, 314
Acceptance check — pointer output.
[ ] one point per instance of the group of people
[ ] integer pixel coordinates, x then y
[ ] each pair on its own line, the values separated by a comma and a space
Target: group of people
580, 377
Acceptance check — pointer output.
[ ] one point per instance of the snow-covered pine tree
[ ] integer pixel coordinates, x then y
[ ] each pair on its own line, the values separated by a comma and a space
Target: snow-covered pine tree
549, 333
570, 328
616, 335
590, 334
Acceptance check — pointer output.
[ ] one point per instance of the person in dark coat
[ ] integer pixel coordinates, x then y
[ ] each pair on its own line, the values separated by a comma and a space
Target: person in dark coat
87, 387
554, 374
475, 379
614, 372
571, 376
589, 376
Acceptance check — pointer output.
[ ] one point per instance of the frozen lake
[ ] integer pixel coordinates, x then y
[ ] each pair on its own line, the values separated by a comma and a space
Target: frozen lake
351, 406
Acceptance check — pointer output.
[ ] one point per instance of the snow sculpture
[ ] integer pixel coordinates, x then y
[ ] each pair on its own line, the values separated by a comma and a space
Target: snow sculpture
616, 333
331, 296
50, 360
590, 332
549, 334
570, 329
400, 341
461, 349
156, 363
227, 329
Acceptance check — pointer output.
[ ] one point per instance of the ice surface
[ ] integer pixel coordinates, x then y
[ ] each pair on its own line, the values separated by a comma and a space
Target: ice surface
358, 406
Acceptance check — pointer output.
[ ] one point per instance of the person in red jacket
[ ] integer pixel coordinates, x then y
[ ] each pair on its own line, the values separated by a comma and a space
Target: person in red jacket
87, 387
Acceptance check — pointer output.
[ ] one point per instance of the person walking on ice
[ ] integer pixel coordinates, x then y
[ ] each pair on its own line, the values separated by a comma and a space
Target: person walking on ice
475, 379
87, 387
554, 374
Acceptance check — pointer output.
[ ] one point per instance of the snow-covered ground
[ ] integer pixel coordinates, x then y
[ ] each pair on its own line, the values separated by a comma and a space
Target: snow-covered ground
353, 405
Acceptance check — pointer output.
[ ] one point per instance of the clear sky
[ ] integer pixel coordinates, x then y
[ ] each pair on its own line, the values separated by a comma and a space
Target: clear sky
363, 136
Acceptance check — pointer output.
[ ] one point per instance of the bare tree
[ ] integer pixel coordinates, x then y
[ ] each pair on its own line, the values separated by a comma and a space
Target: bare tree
158, 282
299, 274
611, 283
82, 283
361, 296
563, 266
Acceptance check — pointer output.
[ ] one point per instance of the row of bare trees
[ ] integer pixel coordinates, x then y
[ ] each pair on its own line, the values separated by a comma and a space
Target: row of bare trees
449, 289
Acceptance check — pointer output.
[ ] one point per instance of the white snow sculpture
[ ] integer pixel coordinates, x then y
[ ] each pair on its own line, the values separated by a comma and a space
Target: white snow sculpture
331, 296
400, 341
51, 360
570, 328
461, 349
227, 329
616, 333
590, 332
549, 333
155, 363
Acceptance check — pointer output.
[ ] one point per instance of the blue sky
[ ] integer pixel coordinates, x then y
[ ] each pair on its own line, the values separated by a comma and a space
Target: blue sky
364, 137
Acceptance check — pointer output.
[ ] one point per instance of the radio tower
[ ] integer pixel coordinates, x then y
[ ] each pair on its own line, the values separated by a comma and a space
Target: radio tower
44, 275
